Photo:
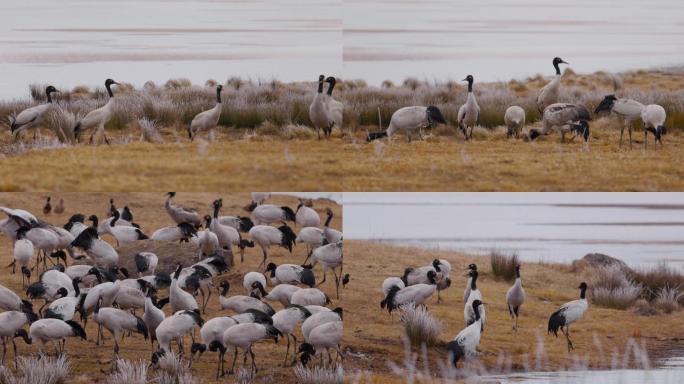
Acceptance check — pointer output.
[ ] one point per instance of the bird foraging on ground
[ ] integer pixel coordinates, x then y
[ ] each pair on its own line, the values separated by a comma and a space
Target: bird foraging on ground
410, 120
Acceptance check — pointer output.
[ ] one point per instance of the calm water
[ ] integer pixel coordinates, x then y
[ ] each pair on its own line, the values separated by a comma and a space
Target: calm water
72, 42
500, 39
641, 229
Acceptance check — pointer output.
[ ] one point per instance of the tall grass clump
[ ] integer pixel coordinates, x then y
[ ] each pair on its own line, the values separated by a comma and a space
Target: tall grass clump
172, 370
656, 278
128, 372
149, 130
37, 369
668, 299
61, 121
420, 326
503, 265
611, 288
319, 375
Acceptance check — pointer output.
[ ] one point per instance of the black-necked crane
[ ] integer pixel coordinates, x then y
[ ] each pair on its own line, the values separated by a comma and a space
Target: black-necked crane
180, 214
207, 120
181, 232
32, 115
466, 292
310, 296
325, 336
65, 307
11, 327
549, 93
173, 328
410, 120
100, 251
23, 253
10, 301
475, 294
654, 116
319, 113
335, 108
241, 303
207, 241
312, 237
330, 257
420, 275
76, 224
97, 118
320, 317
244, 336
116, 321
285, 321
469, 113
443, 277
331, 235
569, 313
564, 118
47, 208
179, 299
627, 109
51, 285
55, 331
241, 223
124, 234
106, 291
153, 315
227, 235
466, 342
281, 293
291, 274
145, 263
390, 282
514, 117
250, 278
265, 236
413, 294
306, 216
269, 213
515, 297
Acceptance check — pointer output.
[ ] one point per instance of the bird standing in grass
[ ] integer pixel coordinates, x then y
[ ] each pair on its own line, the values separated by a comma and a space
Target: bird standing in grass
515, 297
475, 294
628, 109
569, 313
410, 120
32, 115
319, 113
99, 117
549, 93
469, 113
654, 117
335, 108
466, 342
515, 120
207, 120
564, 118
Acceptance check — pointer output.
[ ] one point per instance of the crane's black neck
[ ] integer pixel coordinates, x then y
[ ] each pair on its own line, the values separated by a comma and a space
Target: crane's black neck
77, 289
517, 273
470, 86
328, 220
583, 292
473, 282
49, 98
94, 221
218, 95
109, 90
476, 309
320, 87
330, 87
555, 65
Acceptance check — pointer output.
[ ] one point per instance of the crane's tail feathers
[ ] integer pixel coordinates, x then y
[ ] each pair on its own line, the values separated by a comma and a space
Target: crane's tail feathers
556, 321
455, 351
434, 115
376, 135
77, 329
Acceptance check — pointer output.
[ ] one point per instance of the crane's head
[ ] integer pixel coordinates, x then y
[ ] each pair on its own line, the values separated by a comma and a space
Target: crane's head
558, 60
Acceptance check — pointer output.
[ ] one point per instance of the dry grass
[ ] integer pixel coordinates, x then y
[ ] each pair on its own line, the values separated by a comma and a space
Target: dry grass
668, 298
37, 369
503, 265
611, 288
90, 363
654, 280
320, 375
420, 326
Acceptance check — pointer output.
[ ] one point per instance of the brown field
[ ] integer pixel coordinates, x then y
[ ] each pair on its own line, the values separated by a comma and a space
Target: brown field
91, 363
263, 141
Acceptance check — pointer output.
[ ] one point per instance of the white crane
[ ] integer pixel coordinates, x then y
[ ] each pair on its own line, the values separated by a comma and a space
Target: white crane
515, 120
466, 292
319, 318
466, 342
97, 118
475, 294
100, 251
207, 120
180, 214
64, 308
11, 324
124, 234
244, 336
409, 120
319, 113
335, 108
306, 216
153, 315
331, 235
241, 303
515, 297
23, 253
313, 238
291, 274
443, 277
265, 236
564, 118
180, 232
179, 299
569, 313
469, 113
32, 115
285, 321
325, 336
549, 93
116, 321
252, 277
331, 257
654, 117
173, 328
227, 235
281, 293
627, 109
145, 263
269, 213
309, 296
415, 294
55, 331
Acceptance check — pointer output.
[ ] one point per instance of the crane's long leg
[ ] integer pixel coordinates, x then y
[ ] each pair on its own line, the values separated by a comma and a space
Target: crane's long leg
4, 350
622, 131
337, 284
630, 136
287, 351
294, 353
232, 368
567, 336
645, 140
324, 273
254, 365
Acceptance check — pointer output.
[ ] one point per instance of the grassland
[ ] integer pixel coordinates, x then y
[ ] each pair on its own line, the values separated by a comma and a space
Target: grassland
91, 363
264, 140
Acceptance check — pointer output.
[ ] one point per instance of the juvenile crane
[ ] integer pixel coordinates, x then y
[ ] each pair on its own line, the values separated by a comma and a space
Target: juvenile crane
469, 113
564, 118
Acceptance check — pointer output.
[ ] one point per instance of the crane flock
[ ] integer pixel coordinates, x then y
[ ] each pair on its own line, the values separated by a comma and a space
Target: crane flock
326, 113
97, 284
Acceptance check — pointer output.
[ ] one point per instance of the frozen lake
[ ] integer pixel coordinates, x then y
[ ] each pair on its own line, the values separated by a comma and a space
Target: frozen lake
73, 42
504, 39
640, 228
